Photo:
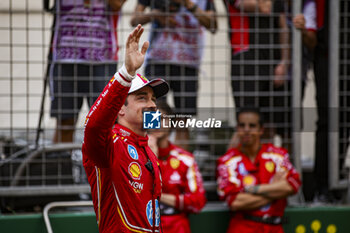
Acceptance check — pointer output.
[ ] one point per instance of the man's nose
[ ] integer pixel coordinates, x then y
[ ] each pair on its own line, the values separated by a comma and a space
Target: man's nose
151, 104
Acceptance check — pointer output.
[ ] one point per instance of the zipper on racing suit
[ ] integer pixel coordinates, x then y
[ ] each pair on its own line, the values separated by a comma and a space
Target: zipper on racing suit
149, 166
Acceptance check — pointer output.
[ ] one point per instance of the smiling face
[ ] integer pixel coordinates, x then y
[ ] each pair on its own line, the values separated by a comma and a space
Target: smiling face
131, 113
249, 129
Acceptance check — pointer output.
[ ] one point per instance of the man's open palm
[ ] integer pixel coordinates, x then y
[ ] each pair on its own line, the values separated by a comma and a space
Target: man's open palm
133, 57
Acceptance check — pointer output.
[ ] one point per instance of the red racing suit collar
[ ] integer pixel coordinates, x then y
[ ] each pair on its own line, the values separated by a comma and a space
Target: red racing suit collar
131, 136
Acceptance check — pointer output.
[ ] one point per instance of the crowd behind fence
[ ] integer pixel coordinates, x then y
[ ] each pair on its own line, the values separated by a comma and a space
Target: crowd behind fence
30, 164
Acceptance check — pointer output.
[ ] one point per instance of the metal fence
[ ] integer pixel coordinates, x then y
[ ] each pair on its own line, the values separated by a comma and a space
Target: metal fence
31, 164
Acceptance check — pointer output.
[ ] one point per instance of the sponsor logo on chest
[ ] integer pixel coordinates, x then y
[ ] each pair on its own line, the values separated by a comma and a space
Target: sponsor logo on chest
134, 170
175, 178
137, 186
174, 163
249, 180
133, 152
149, 213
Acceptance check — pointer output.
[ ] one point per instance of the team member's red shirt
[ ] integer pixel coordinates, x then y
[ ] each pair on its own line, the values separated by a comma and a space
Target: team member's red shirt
181, 177
236, 171
124, 191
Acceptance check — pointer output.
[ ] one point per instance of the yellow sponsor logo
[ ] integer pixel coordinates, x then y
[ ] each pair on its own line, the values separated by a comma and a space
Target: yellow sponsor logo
249, 180
270, 166
135, 170
174, 163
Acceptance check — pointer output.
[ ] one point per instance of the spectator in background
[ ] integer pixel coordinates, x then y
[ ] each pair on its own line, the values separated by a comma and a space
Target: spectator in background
182, 187
255, 179
83, 57
306, 23
177, 42
259, 38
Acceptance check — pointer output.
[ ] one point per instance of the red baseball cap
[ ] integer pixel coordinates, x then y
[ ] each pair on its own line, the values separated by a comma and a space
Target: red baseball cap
159, 86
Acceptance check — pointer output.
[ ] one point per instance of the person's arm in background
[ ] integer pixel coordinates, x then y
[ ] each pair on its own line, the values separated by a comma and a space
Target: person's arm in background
262, 6
278, 189
307, 24
141, 17
284, 183
231, 189
169, 199
281, 69
116, 5
309, 37
248, 201
206, 17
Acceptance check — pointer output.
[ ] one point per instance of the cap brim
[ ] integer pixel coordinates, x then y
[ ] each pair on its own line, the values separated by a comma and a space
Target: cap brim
160, 87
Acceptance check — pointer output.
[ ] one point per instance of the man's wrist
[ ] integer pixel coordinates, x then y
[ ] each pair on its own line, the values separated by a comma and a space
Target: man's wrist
252, 189
123, 71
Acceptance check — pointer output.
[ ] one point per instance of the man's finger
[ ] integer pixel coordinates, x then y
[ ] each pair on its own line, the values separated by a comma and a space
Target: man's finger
144, 47
139, 33
134, 33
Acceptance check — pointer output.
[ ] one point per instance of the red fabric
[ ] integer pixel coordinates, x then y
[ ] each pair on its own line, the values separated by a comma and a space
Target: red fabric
121, 185
176, 223
181, 177
320, 8
240, 225
235, 171
126, 80
239, 24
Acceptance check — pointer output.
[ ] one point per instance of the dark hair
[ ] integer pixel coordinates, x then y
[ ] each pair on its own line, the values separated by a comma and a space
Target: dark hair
251, 110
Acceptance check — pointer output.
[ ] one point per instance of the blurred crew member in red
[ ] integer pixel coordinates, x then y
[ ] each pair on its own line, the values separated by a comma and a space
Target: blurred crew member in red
255, 179
182, 185
122, 170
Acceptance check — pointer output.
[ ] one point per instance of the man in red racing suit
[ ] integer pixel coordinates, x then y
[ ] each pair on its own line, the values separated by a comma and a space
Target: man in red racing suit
122, 170
255, 179
182, 187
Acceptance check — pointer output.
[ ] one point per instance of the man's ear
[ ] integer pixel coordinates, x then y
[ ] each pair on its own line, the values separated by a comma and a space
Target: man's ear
122, 111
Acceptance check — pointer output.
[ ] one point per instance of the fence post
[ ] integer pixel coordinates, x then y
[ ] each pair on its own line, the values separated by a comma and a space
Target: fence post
333, 151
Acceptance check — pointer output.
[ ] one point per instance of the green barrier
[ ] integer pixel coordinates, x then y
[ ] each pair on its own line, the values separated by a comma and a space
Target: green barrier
301, 220
318, 220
